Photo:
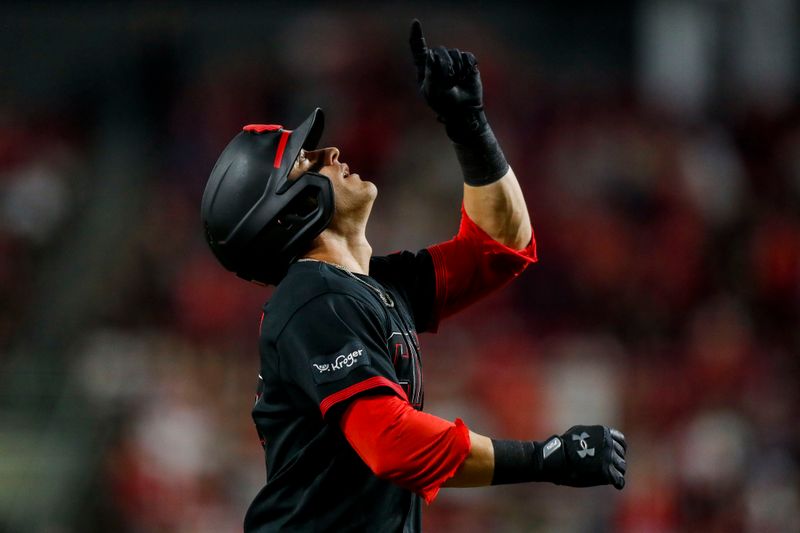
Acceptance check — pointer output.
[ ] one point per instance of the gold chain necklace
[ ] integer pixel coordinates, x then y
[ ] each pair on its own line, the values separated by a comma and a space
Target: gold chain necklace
384, 296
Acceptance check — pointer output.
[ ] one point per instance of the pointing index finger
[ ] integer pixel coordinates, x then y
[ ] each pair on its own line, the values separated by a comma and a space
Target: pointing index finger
417, 42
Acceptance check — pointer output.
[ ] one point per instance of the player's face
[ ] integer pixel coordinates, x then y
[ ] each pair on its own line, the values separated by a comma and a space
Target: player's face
351, 193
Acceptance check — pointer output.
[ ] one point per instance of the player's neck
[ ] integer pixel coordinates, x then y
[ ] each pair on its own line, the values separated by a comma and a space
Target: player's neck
353, 252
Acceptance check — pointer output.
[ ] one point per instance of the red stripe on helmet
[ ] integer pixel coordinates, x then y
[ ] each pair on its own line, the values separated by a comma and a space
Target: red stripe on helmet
261, 128
281, 148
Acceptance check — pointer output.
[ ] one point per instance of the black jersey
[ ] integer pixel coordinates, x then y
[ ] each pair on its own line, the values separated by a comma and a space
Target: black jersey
326, 338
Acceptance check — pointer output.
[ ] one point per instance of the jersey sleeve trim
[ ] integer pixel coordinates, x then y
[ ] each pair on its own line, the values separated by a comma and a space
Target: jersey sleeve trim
370, 383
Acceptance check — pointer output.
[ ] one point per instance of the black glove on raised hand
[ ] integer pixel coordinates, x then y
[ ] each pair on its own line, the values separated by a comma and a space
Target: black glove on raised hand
451, 85
450, 82
584, 456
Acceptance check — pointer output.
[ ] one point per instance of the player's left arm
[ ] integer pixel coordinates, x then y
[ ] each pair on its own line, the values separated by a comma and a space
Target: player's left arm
495, 242
450, 82
499, 209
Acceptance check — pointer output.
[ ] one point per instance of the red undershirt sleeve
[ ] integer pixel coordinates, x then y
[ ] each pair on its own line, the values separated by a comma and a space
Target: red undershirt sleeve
412, 449
472, 265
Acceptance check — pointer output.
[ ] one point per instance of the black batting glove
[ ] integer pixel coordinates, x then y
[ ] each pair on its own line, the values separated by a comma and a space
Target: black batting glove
450, 82
584, 456
451, 85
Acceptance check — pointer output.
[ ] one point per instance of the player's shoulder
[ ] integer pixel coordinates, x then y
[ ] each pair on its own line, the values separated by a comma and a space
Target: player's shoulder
392, 260
397, 265
309, 288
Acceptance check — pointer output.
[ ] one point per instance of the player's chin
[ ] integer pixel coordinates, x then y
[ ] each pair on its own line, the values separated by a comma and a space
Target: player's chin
371, 189
355, 180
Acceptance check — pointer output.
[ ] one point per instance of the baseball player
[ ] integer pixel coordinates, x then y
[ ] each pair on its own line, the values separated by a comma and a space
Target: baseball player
340, 390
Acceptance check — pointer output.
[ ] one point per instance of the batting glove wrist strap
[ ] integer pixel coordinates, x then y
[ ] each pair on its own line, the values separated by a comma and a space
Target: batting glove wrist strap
481, 159
515, 461
584, 456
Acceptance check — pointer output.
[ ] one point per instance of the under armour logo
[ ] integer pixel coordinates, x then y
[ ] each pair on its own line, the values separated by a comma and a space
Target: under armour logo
583, 452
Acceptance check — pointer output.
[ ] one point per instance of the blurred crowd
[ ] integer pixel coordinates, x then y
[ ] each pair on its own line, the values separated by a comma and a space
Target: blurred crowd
665, 301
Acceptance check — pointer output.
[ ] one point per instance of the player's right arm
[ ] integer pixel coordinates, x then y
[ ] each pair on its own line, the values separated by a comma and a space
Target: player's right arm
422, 452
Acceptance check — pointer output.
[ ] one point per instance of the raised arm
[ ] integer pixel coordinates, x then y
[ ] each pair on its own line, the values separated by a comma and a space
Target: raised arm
450, 82
499, 209
495, 241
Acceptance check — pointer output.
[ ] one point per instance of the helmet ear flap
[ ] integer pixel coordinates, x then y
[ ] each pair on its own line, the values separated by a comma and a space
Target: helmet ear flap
308, 211
293, 218
300, 209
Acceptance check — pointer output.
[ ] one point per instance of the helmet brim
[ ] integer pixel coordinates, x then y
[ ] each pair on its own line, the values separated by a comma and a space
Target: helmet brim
305, 136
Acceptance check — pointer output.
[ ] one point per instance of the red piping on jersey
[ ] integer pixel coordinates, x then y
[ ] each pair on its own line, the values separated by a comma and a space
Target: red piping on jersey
281, 148
361, 386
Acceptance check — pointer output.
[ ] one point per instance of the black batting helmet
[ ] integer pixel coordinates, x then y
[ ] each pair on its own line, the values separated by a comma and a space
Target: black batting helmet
256, 220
